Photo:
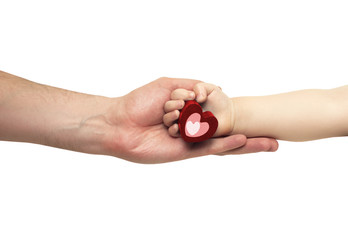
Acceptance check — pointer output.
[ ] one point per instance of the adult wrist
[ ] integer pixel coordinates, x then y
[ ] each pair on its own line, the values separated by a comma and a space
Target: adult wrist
83, 127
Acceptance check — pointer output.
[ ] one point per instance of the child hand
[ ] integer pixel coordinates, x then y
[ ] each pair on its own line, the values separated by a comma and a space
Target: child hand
211, 99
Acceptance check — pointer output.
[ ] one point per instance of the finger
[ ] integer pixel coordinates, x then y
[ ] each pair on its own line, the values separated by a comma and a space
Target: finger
216, 145
254, 145
174, 130
170, 118
202, 91
172, 105
182, 94
175, 83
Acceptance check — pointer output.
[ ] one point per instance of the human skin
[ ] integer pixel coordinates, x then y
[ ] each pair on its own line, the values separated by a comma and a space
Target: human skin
128, 127
295, 116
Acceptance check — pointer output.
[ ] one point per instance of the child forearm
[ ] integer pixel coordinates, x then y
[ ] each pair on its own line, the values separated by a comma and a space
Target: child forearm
295, 116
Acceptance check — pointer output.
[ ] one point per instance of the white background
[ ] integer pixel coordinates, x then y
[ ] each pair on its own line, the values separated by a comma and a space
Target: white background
111, 47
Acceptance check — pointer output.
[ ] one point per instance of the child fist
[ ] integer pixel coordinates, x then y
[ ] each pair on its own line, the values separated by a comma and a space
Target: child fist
211, 99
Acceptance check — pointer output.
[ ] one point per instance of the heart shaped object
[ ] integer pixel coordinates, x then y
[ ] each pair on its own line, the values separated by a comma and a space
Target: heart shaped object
196, 125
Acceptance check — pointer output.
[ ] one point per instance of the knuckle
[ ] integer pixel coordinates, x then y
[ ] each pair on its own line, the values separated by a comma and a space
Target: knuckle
167, 105
198, 85
173, 94
163, 79
165, 117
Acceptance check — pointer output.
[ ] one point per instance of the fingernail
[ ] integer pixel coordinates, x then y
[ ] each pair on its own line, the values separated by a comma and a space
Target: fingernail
192, 95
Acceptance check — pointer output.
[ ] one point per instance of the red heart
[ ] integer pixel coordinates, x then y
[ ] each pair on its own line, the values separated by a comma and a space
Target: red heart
196, 125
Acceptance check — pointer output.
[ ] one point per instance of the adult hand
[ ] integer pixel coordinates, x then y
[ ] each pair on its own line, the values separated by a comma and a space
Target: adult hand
129, 127
139, 135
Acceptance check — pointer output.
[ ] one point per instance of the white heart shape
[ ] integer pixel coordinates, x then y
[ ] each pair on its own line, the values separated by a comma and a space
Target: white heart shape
192, 128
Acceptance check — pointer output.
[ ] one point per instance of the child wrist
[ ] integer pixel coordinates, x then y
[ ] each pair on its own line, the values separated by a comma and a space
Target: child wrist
234, 116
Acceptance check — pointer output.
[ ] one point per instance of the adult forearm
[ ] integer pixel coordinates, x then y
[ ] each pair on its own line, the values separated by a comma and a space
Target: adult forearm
295, 116
36, 113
